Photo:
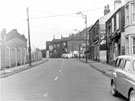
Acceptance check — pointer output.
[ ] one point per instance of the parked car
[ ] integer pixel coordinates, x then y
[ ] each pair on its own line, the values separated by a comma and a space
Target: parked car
123, 77
66, 55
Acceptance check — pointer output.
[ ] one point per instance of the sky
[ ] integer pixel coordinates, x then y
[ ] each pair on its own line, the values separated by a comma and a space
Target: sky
50, 18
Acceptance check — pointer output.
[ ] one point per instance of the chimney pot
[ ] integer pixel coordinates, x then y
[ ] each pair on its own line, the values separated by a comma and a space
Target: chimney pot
106, 10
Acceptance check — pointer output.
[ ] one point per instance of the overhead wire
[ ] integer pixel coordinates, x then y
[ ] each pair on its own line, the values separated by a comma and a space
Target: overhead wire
67, 14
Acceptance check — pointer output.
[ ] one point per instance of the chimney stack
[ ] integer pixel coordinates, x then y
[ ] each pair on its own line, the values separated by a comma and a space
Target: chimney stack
107, 9
3, 36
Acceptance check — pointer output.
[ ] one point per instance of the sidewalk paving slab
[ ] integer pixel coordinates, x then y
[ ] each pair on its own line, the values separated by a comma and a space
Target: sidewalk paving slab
102, 67
14, 70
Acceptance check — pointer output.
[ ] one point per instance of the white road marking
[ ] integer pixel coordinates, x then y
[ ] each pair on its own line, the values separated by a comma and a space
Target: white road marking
45, 95
56, 78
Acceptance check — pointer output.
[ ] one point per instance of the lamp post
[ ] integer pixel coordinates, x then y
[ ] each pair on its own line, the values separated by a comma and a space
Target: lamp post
84, 17
29, 48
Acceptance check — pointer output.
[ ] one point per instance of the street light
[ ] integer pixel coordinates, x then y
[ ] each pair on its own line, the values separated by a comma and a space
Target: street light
84, 17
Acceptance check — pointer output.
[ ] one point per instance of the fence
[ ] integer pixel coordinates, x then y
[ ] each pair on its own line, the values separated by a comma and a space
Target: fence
11, 57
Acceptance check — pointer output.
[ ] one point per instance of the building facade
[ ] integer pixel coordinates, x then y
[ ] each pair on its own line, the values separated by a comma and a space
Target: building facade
129, 27
74, 42
94, 41
115, 32
13, 49
97, 35
57, 47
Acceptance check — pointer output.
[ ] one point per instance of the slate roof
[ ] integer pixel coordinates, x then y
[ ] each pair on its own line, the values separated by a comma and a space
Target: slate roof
14, 34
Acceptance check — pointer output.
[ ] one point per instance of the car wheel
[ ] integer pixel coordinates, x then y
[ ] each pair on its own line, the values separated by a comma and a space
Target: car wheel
113, 89
132, 95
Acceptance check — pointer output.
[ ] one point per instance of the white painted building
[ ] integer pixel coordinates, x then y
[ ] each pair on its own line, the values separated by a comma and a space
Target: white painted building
129, 27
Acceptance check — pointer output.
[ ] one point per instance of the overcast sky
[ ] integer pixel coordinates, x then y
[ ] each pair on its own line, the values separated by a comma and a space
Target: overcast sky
56, 17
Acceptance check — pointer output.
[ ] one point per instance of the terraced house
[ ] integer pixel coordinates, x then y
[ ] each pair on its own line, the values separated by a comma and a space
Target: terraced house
97, 34
120, 29
115, 35
130, 27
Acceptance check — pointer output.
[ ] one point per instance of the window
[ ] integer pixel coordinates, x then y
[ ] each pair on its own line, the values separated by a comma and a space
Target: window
127, 45
112, 25
133, 12
109, 29
117, 63
127, 65
58, 45
133, 45
127, 15
54, 46
121, 62
64, 43
55, 51
117, 21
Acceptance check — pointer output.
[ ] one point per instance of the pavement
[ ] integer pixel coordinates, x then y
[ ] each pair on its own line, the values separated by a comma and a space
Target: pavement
14, 70
100, 66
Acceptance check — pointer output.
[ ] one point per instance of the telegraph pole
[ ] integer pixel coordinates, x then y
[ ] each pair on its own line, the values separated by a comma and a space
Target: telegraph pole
84, 17
29, 48
86, 37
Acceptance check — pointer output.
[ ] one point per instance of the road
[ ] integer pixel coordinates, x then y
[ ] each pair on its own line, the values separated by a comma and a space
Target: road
58, 80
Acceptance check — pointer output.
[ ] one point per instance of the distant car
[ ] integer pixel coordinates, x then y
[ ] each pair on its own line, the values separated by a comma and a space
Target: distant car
82, 55
123, 77
66, 55
63, 55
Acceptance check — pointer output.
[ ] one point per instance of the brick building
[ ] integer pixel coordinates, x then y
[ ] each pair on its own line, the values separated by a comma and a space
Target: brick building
13, 49
57, 47
73, 42
97, 37
115, 35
